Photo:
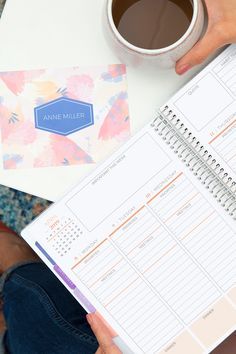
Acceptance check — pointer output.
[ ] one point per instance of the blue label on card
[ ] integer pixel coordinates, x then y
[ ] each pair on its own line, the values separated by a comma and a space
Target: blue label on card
64, 116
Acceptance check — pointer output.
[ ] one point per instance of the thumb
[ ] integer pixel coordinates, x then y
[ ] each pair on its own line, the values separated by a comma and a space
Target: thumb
205, 47
106, 344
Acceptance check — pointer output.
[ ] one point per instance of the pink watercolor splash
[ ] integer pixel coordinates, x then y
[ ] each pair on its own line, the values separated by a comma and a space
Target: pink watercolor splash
11, 161
22, 132
62, 151
114, 73
80, 87
117, 120
5, 114
15, 80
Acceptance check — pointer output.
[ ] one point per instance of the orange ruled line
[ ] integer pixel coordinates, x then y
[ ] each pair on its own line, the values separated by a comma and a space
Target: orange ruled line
52, 238
88, 254
182, 206
158, 260
143, 240
125, 222
121, 291
222, 132
164, 188
195, 227
105, 273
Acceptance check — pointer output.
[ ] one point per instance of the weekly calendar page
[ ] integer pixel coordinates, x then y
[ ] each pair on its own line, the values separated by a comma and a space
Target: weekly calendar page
207, 106
144, 245
141, 242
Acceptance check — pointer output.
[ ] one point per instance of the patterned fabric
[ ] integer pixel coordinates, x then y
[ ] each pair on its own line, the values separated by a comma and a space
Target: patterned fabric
18, 209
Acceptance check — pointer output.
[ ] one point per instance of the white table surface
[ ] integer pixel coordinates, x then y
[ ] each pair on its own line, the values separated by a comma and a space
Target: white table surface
58, 33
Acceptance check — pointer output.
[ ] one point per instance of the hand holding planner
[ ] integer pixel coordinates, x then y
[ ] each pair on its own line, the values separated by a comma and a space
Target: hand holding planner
106, 345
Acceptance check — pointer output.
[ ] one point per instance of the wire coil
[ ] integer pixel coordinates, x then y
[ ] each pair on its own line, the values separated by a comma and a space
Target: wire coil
197, 158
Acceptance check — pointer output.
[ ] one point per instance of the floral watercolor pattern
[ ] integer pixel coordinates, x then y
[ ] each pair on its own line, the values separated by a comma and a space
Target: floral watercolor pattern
24, 146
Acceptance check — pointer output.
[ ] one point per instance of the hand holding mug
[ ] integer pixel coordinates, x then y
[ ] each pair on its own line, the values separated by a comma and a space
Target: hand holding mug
221, 31
152, 32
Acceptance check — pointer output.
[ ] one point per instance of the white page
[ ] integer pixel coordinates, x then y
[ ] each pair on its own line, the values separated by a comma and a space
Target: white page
142, 243
207, 106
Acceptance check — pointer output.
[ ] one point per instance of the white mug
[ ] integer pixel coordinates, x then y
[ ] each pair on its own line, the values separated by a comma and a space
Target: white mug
164, 57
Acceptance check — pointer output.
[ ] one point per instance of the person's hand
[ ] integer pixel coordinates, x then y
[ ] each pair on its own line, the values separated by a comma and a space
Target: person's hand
221, 30
106, 344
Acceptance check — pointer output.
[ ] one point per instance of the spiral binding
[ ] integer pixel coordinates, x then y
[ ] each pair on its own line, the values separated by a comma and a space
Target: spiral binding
197, 158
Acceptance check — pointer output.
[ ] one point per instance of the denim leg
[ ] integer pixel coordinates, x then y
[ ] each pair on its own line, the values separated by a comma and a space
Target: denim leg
42, 316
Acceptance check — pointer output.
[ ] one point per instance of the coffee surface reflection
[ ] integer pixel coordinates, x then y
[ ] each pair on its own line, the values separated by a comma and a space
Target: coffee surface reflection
152, 24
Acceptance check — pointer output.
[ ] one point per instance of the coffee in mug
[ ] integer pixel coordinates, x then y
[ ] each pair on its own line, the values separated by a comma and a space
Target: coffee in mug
153, 32
152, 24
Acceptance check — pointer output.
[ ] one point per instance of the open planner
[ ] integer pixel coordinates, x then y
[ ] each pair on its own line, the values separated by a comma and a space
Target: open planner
148, 240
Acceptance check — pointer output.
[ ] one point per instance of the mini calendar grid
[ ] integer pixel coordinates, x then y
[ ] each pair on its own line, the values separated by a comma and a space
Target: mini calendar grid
61, 239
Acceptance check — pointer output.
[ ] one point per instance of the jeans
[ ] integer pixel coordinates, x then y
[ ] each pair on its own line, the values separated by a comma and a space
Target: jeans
42, 317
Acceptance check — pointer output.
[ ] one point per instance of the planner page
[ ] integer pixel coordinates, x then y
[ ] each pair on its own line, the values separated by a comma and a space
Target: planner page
207, 106
144, 245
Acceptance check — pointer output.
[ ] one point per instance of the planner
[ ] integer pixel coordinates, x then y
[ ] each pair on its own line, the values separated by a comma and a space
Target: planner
148, 240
